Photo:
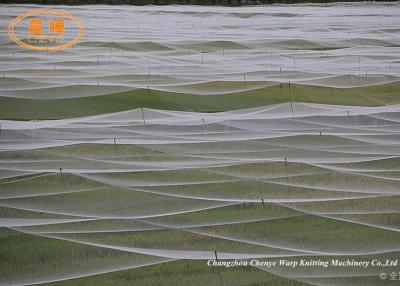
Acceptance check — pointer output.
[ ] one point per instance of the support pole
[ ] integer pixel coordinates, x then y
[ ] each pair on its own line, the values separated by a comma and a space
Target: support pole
144, 120
204, 125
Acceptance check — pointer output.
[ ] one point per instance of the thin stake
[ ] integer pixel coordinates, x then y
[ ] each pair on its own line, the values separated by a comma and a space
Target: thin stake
204, 125
144, 121
320, 124
286, 165
287, 174
148, 83
219, 272
291, 106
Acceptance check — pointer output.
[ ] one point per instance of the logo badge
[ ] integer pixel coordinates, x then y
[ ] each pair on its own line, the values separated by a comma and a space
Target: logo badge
46, 30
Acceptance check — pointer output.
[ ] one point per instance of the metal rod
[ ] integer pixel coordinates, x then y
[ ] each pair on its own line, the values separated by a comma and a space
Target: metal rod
144, 120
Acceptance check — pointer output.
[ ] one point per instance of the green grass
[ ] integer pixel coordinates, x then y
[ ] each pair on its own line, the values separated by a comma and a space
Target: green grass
214, 46
183, 273
27, 258
299, 232
170, 239
386, 204
42, 184
304, 232
141, 46
233, 214
109, 202
27, 109
254, 190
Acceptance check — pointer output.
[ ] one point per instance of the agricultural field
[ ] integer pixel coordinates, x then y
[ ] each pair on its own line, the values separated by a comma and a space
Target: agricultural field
174, 137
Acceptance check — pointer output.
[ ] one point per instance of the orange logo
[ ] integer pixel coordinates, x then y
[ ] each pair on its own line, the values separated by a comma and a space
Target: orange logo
46, 30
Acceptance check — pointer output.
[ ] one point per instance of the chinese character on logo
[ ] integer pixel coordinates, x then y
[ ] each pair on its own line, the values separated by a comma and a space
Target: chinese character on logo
56, 26
35, 27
